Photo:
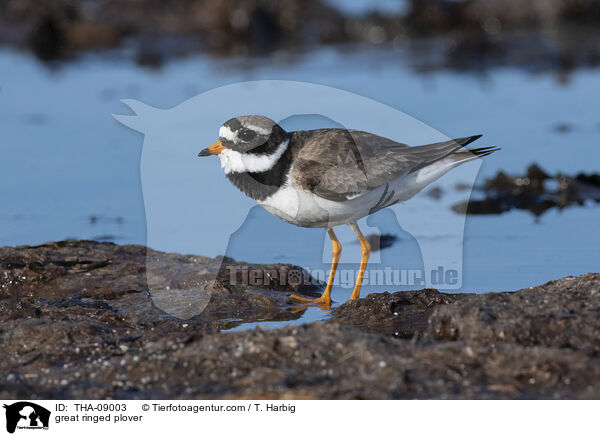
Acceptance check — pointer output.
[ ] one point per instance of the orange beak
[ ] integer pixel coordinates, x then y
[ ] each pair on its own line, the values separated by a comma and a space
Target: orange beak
214, 149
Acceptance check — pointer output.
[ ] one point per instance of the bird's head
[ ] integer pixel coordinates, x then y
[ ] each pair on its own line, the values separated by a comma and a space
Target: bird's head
249, 143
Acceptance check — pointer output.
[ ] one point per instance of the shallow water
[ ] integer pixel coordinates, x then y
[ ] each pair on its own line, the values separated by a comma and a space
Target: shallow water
69, 170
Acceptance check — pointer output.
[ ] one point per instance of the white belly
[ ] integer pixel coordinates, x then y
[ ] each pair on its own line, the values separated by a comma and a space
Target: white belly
305, 209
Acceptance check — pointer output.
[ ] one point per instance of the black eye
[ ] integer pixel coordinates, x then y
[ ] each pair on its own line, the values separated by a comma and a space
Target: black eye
246, 134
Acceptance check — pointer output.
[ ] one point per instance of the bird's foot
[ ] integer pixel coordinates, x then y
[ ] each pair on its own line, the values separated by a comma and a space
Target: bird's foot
324, 301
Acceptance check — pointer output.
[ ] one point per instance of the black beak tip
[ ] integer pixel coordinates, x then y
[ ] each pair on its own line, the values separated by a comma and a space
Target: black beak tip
205, 152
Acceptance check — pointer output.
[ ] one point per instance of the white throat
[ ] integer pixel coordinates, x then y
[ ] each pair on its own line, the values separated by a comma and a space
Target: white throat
235, 162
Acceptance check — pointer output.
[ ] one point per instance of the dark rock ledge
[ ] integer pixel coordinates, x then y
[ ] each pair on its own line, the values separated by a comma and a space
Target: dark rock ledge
77, 321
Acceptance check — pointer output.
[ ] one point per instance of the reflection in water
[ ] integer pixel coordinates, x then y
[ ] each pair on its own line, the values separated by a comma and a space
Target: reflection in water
382, 241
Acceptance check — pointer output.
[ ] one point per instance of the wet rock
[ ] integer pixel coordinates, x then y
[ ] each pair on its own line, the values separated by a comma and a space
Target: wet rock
561, 314
139, 287
77, 320
440, 34
47, 38
536, 192
221, 26
323, 361
93, 36
403, 314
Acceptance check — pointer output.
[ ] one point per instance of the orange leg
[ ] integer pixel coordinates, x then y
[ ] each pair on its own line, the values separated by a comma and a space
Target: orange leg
336, 253
365, 251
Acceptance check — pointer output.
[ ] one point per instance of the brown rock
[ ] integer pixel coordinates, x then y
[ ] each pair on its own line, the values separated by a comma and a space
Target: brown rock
77, 320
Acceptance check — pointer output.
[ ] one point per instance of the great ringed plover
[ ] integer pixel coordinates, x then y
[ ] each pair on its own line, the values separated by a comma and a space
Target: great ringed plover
328, 177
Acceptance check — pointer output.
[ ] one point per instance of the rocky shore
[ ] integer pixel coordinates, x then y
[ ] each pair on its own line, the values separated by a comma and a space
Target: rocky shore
556, 35
80, 320
535, 191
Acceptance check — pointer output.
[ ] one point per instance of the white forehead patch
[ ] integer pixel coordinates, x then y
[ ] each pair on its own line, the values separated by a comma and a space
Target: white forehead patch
259, 130
225, 132
235, 162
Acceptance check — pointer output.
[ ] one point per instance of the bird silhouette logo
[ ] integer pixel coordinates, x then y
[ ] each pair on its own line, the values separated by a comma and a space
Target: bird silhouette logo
191, 207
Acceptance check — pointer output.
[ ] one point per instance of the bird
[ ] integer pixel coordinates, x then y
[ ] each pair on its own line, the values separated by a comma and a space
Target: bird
328, 177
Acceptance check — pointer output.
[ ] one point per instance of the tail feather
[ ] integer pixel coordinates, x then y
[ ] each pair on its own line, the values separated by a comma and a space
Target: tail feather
431, 153
479, 152
461, 142
442, 149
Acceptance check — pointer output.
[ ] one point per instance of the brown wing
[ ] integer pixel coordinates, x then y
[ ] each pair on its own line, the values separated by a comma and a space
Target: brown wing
339, 164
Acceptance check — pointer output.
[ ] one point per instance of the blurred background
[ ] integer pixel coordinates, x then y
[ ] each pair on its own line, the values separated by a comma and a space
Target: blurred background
524, 74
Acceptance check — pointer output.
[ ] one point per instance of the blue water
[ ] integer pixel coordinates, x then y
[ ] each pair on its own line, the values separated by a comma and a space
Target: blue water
70, 170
